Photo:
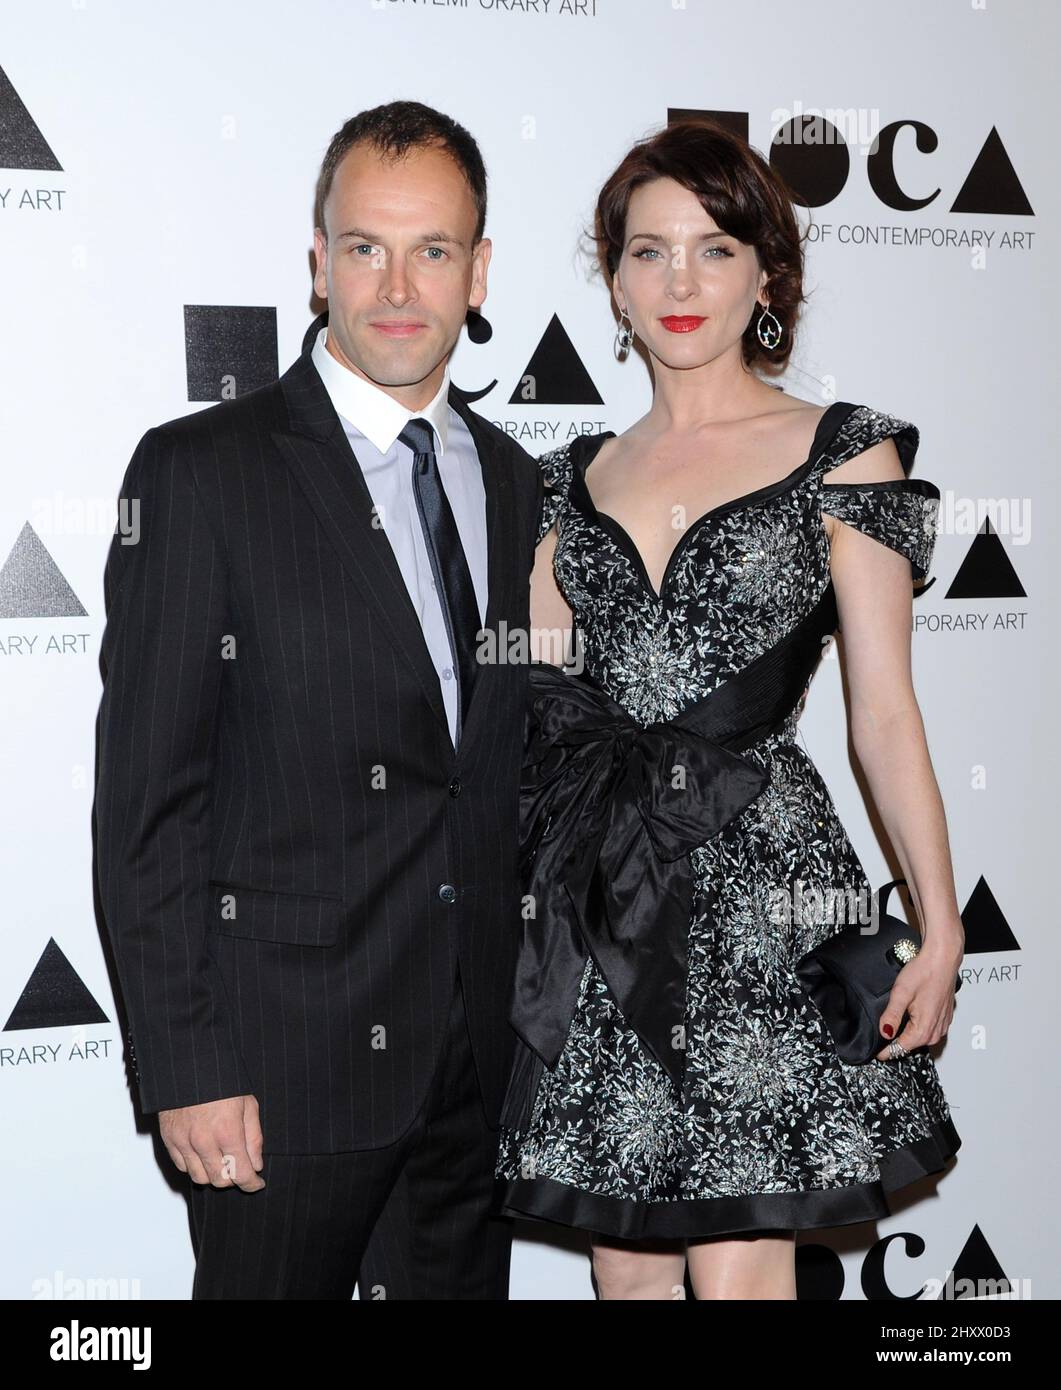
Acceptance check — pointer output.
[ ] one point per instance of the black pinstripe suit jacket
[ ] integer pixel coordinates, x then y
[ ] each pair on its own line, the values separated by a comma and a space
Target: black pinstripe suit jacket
291, 856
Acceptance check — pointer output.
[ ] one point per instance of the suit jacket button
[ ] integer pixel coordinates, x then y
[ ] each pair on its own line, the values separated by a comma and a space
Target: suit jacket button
455, 786
447, 893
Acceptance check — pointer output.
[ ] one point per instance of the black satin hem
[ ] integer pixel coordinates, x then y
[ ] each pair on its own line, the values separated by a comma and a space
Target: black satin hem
545, 1199
929, 1155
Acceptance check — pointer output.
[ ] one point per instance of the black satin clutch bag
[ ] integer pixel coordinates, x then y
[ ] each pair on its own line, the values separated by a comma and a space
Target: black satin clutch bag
849, 978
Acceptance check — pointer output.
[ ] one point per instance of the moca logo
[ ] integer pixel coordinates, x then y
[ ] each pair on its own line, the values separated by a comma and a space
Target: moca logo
22, 146
55, 996
810, 153
976, 1273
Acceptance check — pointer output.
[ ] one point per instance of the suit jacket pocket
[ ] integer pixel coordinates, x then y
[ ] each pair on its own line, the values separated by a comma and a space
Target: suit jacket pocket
263, 914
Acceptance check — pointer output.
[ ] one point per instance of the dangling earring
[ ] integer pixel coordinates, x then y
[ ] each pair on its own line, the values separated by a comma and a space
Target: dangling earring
624, 338
768, 334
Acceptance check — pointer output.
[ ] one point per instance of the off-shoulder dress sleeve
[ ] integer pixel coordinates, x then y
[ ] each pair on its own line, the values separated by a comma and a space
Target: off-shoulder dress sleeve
900, 513
555, 468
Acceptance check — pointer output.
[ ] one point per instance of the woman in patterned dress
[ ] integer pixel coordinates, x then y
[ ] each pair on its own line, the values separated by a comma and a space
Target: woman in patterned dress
691, 554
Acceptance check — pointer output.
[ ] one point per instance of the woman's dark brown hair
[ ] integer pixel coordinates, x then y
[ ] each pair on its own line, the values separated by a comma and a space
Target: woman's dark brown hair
748, 200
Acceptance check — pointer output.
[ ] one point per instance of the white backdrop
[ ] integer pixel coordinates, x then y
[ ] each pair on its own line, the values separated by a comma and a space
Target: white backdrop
154, 157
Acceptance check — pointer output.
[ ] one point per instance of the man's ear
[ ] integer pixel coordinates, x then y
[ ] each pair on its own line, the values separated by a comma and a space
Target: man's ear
320, 274
480, 262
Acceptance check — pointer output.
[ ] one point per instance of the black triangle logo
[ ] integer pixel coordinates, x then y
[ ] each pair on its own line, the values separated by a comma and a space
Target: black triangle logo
978, 1263
986, 571
992, 184
986, 928
22, 146
555, 374
32, 584
55, 996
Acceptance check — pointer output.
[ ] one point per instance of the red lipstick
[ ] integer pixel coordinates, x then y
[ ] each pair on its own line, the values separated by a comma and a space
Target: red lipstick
682, 323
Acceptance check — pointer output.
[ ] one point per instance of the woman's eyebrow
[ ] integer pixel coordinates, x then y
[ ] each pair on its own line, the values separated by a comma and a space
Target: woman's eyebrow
655, 236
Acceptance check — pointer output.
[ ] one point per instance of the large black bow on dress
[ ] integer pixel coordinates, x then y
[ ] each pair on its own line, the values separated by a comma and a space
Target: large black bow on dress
609, 811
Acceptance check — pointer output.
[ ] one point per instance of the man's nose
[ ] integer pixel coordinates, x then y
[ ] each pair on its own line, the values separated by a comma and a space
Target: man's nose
396, 286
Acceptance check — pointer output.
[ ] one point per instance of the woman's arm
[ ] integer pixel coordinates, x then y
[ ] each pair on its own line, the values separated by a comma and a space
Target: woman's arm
874, 600
551, 618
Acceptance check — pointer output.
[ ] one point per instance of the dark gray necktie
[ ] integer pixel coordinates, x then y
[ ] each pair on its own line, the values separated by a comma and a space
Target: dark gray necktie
448, 562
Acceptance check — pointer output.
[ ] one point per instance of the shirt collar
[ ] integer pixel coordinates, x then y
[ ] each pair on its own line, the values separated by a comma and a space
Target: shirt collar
378, 416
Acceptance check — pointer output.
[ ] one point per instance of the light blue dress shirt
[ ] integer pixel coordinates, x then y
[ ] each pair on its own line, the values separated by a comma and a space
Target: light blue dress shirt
373, 420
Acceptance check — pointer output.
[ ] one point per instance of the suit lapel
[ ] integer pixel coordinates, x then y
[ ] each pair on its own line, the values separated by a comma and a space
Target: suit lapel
317, 451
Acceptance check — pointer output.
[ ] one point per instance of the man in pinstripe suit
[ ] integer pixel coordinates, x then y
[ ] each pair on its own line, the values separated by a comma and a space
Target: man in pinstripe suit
307, 798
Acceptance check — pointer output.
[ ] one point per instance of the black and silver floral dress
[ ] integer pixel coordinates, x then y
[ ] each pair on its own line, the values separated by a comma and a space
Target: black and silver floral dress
762, 1126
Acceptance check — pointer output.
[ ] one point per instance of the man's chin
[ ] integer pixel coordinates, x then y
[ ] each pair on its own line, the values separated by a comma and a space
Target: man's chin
397, 368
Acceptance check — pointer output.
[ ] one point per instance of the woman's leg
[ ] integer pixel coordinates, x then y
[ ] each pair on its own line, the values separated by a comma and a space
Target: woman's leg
638, 1268
756, 1265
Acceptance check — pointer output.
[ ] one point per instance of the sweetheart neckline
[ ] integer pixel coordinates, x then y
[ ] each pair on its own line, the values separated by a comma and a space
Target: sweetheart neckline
619, 533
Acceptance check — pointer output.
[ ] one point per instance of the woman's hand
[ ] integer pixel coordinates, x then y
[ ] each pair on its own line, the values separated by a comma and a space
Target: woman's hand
924, 988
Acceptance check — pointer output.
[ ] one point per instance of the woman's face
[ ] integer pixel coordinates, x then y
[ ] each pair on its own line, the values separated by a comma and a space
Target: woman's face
688, 287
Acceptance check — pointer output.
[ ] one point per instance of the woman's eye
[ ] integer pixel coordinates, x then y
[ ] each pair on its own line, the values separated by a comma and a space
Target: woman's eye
713, 252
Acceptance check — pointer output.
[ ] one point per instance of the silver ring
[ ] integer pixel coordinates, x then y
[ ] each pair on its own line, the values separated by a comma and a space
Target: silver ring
896, 1050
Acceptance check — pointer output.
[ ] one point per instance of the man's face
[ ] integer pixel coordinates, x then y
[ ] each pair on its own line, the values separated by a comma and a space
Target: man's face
398, 269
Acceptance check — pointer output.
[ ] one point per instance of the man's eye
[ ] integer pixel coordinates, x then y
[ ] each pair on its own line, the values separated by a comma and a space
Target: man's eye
441, 253
364, 246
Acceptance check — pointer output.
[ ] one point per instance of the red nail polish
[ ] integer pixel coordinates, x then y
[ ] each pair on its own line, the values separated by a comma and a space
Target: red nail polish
888, 1030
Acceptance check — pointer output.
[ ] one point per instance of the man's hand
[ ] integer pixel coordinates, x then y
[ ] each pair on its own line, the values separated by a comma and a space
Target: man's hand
219, 1142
